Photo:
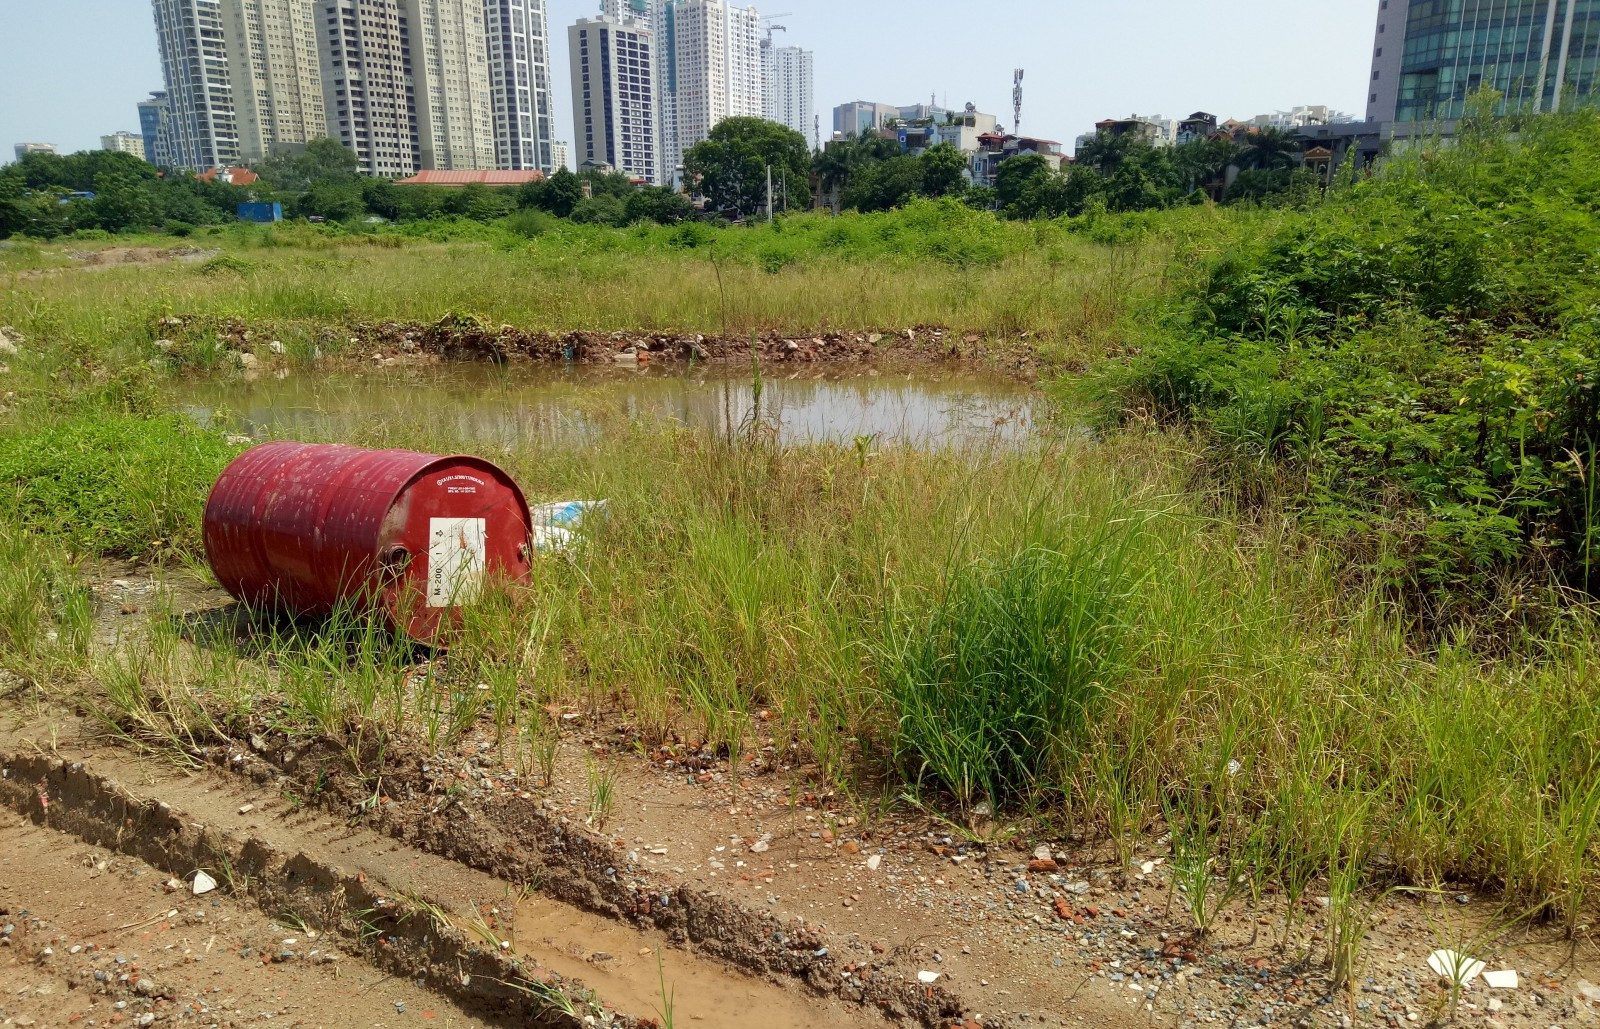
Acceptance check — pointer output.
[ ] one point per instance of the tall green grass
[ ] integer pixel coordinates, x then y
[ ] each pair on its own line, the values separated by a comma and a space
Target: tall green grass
1056, 630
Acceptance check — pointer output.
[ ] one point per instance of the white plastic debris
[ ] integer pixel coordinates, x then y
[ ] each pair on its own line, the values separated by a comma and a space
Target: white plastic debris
1503, 979
1458, 968
203, 883
927, 978
557, 528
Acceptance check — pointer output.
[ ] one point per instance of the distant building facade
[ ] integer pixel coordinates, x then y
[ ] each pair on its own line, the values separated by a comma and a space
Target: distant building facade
1430, 56
613, 96
153, 115
519, 83
852, 119
450, 69
560, 156
202, 123
274, 74
24, 149
124, 143
367, 84
789, 87
714, 71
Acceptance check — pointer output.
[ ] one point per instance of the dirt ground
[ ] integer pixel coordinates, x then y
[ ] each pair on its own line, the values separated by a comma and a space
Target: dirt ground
97, 939
761, 896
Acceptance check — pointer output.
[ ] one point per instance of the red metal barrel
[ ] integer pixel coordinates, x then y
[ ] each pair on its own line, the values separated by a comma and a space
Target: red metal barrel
305, 527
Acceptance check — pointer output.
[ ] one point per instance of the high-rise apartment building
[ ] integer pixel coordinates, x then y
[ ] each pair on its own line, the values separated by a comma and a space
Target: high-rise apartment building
449, 49
202, 126
714, 71
24, 149
655, 16
1429, 56
613, 96
646, 13
153, 127
789, 96
519, 83
124, 143
275, 74
560, 156
367, 83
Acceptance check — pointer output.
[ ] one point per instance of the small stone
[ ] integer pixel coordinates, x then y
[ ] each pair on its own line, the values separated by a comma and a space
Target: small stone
761, 846
146, 988
245, 809
874, 861
1043, 865
203, 883
851, 847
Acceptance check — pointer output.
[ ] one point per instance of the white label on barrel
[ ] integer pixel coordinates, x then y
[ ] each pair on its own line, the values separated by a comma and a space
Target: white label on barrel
457, 559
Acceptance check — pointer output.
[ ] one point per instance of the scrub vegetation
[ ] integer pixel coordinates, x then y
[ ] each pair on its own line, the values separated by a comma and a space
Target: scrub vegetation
1274, 609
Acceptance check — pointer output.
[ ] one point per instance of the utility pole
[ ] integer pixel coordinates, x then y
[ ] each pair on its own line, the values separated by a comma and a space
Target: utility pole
769, 194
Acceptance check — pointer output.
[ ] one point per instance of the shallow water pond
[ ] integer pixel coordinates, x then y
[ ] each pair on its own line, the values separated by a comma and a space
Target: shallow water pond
520, 404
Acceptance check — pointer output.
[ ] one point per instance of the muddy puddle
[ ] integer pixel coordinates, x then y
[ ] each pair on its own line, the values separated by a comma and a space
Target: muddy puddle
521, 404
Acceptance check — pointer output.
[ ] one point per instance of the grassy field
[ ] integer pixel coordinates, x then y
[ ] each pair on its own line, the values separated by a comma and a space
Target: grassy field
1083, 631
946, 266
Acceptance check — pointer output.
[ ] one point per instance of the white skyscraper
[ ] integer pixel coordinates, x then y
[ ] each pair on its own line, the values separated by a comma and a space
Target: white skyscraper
519, 79
367, 84
613, 96
790, 97
274, 72
450, 67
713, 70
202, 127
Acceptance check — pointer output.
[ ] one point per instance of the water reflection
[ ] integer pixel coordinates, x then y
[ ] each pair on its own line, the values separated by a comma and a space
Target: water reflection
519, 404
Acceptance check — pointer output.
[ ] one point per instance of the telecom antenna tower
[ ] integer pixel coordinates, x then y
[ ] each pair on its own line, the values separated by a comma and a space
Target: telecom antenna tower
1016, 103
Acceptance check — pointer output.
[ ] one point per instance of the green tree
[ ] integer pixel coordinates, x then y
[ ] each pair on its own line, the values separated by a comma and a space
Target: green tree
1270, 148
323, 160
1107, 150
886, 184
843, 159
122, 202
335, 201
1015, 175
730, 166
943, 171
604, 209
659, 204
558, 194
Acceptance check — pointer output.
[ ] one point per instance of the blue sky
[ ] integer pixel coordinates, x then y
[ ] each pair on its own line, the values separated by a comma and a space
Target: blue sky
72, 70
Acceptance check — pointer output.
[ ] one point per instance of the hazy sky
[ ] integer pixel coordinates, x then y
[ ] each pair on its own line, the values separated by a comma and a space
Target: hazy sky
72, 70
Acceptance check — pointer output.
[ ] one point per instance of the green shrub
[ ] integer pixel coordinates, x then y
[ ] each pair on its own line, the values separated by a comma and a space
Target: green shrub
1415, 358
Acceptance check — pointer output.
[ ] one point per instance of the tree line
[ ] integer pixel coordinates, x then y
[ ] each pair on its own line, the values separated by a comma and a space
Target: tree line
1117, 173
44, 195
